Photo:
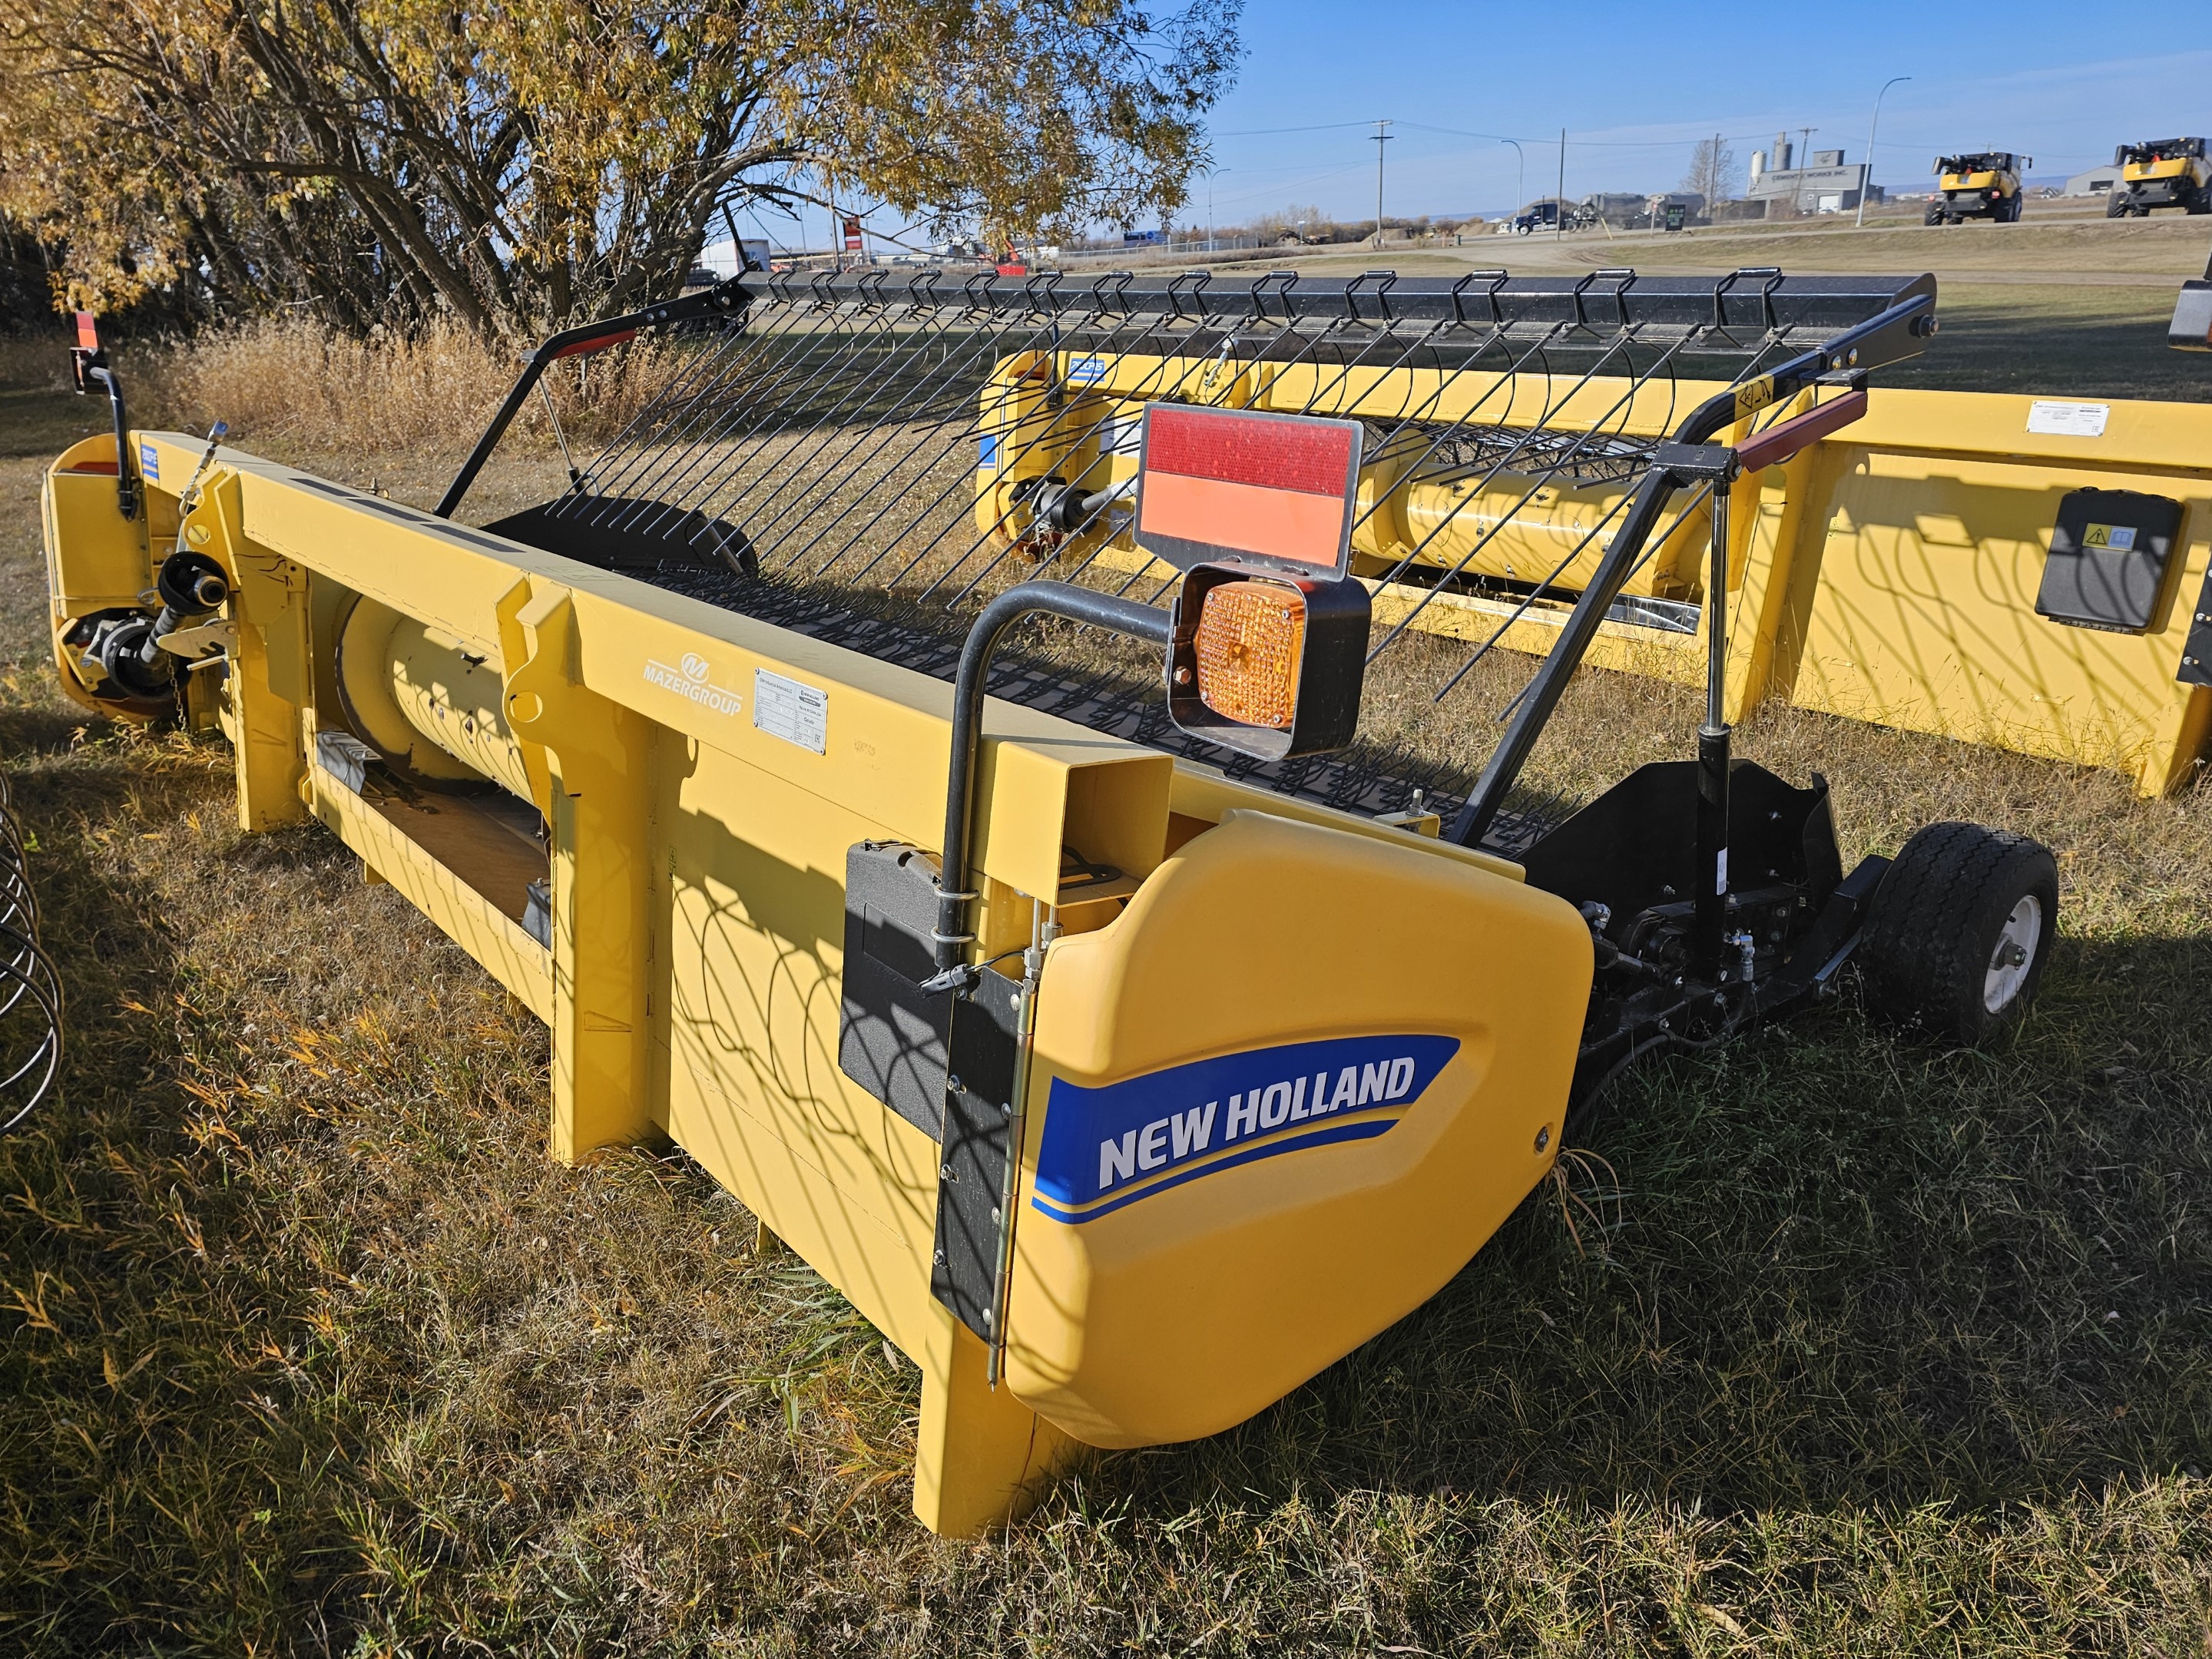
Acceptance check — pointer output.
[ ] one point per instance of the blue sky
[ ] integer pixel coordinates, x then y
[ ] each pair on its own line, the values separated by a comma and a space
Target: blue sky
1635, 84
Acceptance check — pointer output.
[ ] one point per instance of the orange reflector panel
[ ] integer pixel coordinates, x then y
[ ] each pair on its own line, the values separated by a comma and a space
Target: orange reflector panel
88, 332
1249, 638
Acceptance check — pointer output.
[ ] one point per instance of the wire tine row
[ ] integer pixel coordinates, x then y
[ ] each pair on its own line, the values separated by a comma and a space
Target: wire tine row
890, 460
30, 989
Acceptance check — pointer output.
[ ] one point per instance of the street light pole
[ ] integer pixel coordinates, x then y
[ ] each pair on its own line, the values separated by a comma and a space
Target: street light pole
1210, 176
1873, 127
1381, 137
1521, 179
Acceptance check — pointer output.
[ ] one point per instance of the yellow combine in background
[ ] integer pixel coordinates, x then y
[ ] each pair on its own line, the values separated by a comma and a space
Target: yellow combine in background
2160, 172
1981, 184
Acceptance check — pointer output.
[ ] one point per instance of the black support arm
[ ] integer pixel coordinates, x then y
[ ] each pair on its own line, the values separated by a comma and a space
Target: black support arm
1887, 338
720, 300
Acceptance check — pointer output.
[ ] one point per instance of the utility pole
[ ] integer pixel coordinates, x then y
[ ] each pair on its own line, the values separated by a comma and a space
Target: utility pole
1559, 201
1804, 162
1520, 177
1873, 127
1381, 137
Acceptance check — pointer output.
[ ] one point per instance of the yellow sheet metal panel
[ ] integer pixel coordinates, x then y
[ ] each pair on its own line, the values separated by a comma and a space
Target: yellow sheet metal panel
746, 1006
95, 557
747, 1010
1931, 540
450, 576
2157, 437
1198, 1233
871, 734
1203, 794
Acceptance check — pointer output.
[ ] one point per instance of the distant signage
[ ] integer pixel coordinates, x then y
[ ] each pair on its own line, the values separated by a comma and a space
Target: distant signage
852, 235
1677, 216
1142, 238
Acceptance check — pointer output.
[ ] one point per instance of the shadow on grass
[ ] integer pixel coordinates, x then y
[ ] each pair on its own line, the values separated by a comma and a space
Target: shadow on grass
159, 1483
1833, 1268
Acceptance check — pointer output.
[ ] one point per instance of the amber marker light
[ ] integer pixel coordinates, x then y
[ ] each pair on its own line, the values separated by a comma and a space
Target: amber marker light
1249, 641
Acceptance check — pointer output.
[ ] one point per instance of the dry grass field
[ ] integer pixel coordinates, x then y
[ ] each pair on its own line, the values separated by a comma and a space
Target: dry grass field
1858, 1346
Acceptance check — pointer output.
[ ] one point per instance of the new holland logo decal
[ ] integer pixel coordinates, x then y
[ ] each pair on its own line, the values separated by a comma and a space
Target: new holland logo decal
1106, 1147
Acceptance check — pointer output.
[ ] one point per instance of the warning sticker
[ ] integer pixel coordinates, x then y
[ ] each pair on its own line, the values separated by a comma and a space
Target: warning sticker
785, 708
2068, 419
2120, 538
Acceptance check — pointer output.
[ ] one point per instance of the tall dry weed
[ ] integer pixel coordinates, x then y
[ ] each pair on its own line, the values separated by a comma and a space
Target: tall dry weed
298, 385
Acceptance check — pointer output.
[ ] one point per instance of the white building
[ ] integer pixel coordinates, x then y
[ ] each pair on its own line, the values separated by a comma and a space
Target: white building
1826, 185
2097, 181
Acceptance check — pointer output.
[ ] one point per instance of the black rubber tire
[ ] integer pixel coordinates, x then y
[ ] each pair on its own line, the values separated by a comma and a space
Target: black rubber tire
2116, 207
2201, 201
1934, 215
1932, 930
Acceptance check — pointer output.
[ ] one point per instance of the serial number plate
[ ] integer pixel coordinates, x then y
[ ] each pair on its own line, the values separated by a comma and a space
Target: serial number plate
2068, 419
786, 708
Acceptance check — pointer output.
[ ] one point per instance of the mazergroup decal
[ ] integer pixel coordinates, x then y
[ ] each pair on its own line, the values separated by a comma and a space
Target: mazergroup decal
690, 680
1105, 1147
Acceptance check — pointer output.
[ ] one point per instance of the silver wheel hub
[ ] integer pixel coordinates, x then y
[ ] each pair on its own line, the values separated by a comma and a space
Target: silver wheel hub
2013, 956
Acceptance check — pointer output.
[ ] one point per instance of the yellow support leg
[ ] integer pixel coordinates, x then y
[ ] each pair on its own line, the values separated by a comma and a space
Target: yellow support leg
983, 1455
264, 701
599, 757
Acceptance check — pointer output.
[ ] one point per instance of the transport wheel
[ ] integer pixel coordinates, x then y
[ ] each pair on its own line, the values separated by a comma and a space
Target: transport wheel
1934, 216
2201, 201
2116, 207
1959, 929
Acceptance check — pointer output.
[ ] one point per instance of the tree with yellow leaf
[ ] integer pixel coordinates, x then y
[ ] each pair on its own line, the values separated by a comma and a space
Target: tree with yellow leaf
527, 163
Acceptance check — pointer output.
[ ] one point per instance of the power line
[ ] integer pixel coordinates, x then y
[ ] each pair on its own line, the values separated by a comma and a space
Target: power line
1269, 133
1583, 143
